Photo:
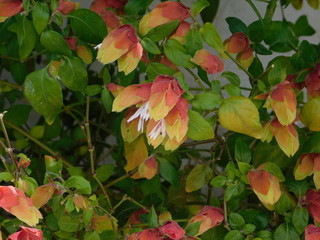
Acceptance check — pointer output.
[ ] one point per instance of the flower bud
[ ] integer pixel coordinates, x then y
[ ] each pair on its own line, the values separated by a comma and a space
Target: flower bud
304, 166
245, 58
208, 62
24, 161
172, 230
237, 43
265, 186
148, 168
165, 216
210, 217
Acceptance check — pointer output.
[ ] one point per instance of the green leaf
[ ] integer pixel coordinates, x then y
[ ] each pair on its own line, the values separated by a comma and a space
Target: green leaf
302, 27
168, 172
209, 13
284, 204
278, 35
256, 31
20, 110
150, 46
274, 169
286, 232
264, 235
55, 43
242, 151
198, 6
177, 54
234, 235
87, 216
79, 183
69, 224
231, 77
212, 38
104, 172
206, 101
260, 49
106, 98
158, 33
91, 236
198, 127
236, 221
233, 190
44, 94
248, 229
136, 7
218, 181
182, 81
244, 167
88, 26
232, 90
193, 41
198, 177
236, 25
6, 176
256, 68
312, 145
193, 228
299, 188
154, 69
40, 16
73, 74
231, 170
300, 219
27, 36
152, 218
309, 52
93, 90
275, 73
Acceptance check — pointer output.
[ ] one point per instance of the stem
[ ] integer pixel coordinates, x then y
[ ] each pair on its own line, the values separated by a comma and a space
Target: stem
197, 79
39, 143
119, 179
20, 88
270, 10
255, 10
198, 142
240, 66
10, 58
104, 191
225, 210
87, 127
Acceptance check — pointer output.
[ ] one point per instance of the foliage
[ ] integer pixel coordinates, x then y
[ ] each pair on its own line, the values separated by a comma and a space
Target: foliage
119, 122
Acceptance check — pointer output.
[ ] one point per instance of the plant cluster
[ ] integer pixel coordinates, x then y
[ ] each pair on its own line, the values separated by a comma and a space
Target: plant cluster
120, 122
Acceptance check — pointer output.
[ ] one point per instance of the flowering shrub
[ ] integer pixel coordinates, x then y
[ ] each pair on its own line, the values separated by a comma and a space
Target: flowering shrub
121, 122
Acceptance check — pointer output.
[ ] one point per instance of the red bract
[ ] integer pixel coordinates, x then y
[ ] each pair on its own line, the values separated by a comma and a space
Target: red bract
121, 44
172, 230
9, 8
291, 79
210, 217
65, 6
163, 13
313, 82
312, 199
208, 62
14, 201
312, 233
180, 33
100, 5
72, 41
26, 234
237, 43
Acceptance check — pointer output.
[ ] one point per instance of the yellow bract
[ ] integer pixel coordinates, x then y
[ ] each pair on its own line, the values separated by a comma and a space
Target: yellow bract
310, 114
